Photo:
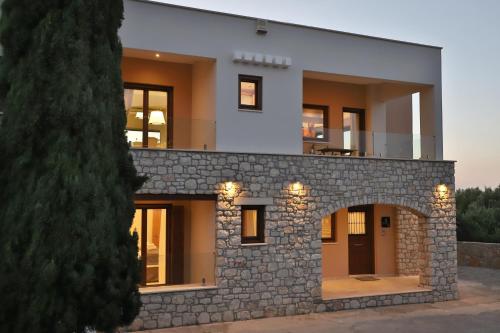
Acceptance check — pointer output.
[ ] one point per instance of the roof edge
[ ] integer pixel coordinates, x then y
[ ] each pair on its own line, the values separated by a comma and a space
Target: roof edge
156, 2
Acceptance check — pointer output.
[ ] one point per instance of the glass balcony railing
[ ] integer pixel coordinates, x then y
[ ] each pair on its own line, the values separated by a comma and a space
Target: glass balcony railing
371, 144
172, 133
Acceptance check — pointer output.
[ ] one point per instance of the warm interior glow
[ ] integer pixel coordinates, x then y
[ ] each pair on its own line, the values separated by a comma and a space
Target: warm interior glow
357, 223
156, 118
326, 227
248, 93
249, 229
157, 55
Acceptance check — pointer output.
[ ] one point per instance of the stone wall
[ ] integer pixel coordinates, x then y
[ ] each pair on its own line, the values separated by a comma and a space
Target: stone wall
479, 254
408, 247
283, 276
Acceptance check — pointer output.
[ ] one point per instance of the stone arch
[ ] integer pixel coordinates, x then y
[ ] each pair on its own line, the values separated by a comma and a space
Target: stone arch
416, 208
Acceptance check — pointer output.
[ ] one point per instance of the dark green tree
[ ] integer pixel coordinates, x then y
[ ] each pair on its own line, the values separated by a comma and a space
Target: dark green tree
67, 259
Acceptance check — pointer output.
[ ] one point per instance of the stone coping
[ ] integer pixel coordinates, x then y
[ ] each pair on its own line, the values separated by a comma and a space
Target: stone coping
292, 155
174, 289
416, 290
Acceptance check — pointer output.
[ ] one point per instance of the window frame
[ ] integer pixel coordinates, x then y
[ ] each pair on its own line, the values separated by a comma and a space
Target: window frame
143, 208
333, 230
261, 210
326, 111
146, 88
257, 80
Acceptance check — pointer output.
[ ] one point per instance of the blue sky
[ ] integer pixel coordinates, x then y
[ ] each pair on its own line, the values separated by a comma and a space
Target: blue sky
469, 32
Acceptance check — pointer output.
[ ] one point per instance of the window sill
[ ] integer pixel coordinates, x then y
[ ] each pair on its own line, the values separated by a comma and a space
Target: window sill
328, 243
173, 289
254, 244
249, 110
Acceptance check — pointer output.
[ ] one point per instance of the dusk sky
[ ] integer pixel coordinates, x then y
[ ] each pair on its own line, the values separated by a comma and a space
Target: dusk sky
467, 30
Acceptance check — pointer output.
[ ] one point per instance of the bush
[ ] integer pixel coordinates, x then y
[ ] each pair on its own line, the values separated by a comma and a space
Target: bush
478, 215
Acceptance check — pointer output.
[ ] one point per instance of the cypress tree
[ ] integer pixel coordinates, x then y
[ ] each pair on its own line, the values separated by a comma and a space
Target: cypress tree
67, 259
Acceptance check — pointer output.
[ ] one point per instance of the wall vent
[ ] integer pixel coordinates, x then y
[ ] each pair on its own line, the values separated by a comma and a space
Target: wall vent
261, 27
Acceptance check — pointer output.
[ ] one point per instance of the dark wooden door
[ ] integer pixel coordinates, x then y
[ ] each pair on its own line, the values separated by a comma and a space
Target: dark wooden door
360, 233
175, 231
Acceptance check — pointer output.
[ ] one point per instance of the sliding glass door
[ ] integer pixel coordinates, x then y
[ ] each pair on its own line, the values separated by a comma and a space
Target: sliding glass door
354, 130
160, 244
149, 115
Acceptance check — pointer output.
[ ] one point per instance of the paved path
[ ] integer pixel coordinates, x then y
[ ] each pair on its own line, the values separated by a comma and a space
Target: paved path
477, 311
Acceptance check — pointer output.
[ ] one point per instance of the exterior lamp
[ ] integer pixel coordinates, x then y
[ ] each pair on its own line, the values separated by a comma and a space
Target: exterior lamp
442, 191
156, 118
296, 188
230, 189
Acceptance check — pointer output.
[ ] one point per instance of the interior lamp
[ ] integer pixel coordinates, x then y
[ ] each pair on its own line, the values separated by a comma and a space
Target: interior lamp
156, 118
139, 115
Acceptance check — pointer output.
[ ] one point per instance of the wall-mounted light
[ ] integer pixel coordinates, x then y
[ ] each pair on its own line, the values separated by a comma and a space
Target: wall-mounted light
230, 189
157, 55
442, 191
296, 188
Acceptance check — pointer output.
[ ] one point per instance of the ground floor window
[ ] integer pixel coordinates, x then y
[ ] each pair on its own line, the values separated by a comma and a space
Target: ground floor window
176, 240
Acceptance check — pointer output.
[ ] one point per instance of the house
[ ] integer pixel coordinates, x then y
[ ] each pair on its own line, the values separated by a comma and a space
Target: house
292, 169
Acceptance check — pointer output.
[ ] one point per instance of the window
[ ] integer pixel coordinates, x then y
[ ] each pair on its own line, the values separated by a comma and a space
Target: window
356, 222
175, 239
149, 115
315, 122
328, 229
250, 92
252, 224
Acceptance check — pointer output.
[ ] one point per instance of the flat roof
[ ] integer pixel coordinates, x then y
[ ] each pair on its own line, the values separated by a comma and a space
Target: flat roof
288, 23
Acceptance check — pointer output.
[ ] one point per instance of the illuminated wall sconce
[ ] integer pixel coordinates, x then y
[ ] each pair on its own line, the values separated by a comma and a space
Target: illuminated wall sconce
296, 188
230, 189
442, 191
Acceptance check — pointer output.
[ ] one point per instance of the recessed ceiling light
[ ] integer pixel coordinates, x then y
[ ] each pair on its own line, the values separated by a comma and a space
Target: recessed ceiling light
157, 55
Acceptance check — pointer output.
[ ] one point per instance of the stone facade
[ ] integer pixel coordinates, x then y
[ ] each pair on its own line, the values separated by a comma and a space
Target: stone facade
479, 254
283, 276
408, 246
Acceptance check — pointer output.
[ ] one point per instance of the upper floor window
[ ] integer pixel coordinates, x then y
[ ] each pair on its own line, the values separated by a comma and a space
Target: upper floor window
250, 92
252, 224
149, 115
315, 122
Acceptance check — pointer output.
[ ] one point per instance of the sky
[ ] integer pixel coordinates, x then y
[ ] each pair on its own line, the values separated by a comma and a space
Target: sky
468, 31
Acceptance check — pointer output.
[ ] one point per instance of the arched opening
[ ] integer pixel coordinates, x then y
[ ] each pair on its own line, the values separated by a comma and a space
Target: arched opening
373, 249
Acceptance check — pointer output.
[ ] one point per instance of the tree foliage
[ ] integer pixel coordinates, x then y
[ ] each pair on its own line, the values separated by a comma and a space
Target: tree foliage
68, 261
478, 215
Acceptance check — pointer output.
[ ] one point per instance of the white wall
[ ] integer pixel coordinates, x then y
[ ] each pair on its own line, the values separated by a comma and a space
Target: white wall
277, 129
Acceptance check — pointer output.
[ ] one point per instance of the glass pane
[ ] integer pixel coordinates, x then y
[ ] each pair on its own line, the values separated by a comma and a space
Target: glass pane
356, 222
313, 124
250, 223
248, 93
156, 247
157, 123
137, 227
326, 227
351, 130
134, 111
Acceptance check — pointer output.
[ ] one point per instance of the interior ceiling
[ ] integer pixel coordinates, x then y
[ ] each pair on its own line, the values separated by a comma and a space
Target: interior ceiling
163, 56
348, 78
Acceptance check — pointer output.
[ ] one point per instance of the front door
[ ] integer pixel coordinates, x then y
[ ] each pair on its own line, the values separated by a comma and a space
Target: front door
360, 231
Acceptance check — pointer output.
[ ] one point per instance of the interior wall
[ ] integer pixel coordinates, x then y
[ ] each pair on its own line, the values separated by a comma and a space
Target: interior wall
336, 95
176, 75
203, 106
202, 242
335, 256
